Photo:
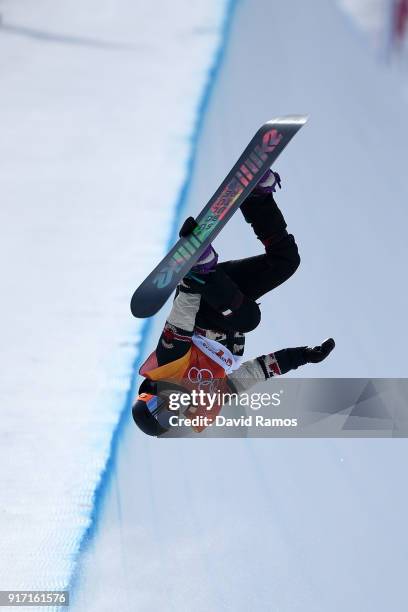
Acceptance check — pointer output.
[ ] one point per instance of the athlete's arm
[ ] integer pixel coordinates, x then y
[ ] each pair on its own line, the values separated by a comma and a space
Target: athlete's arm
175, 339
274, 364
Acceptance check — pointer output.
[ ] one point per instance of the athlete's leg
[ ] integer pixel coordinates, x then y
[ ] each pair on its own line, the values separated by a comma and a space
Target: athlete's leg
254, 276
258, 275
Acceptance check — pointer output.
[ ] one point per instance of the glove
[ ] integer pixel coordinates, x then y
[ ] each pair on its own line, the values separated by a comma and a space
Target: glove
208, 258
319, 353
268, 183
194, 280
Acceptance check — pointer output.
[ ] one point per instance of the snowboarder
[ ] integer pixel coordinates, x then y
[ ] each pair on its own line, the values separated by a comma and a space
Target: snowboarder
215, 305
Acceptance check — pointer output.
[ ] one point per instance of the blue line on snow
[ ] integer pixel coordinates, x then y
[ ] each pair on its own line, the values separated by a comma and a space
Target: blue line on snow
106, 474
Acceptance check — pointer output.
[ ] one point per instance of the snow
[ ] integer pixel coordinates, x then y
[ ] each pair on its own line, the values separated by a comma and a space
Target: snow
369, 15
288, 525
310, 525
98, 106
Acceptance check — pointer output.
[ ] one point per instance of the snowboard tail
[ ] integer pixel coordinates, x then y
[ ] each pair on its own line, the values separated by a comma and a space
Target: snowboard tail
264, 148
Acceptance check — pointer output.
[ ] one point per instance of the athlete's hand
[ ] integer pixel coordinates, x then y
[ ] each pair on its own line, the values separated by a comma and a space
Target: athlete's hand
319, 353
188, 227
196, 278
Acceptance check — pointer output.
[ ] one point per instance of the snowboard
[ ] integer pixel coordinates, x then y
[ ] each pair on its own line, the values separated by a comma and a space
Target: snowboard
262, 151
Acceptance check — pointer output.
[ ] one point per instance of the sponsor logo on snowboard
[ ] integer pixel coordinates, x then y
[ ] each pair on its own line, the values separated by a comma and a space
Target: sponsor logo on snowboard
252, 168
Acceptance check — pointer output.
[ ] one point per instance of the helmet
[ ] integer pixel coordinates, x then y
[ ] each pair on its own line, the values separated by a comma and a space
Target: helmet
149, 413
150, 410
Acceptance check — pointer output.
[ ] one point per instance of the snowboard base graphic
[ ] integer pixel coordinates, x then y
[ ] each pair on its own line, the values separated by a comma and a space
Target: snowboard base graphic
264, 148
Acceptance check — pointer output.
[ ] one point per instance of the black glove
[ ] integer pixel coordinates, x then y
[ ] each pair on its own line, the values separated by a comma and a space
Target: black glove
188, 226
195, 280
319, 353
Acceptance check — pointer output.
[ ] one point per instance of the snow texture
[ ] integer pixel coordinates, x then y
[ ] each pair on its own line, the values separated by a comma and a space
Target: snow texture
181, 525
284, 525
99, 102
369, 15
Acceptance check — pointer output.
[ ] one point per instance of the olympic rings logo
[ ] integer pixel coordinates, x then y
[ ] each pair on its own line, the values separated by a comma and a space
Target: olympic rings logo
201, 376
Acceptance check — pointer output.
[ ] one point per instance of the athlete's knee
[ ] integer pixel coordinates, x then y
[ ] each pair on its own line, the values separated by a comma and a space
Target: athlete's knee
284, 248
295, 257
292, 256
247, 317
